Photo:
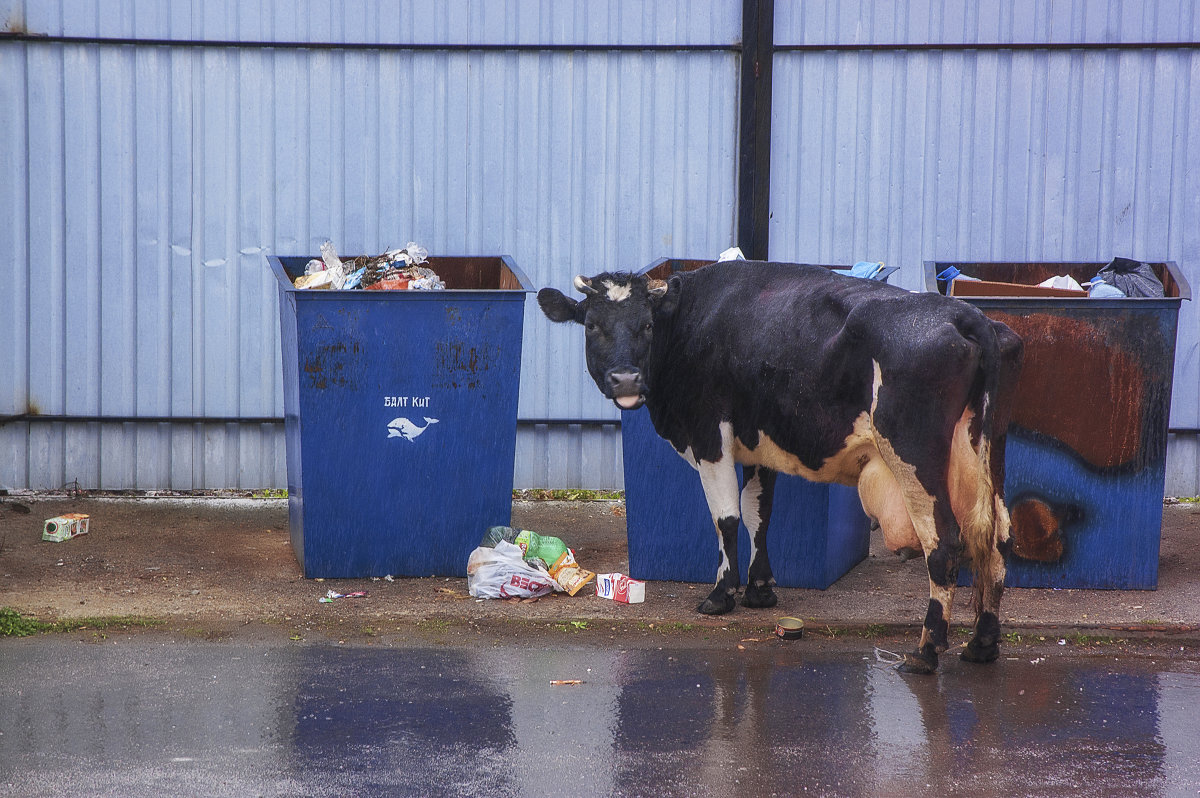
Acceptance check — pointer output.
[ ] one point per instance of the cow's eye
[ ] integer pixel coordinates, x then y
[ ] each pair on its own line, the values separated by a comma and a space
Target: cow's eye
590, 326
648, 326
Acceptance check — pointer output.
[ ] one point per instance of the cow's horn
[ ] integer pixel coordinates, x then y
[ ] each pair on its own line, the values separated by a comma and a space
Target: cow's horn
656, 287
583, 286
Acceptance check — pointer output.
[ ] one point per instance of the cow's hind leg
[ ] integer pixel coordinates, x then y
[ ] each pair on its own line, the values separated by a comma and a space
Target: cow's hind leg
720, 483
757, 497
928, 504
941, 558
989, 588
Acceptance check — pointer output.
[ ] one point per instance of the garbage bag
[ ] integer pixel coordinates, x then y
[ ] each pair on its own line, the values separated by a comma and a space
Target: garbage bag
1132, 278
501, 572
539, 550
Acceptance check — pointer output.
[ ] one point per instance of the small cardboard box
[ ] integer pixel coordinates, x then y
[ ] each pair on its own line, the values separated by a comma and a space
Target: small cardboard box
621, 588
65, 527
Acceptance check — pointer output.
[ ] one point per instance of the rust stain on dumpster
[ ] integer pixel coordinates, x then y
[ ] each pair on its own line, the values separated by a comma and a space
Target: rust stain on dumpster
1037, 531
460, 364
1078, 389
333, 365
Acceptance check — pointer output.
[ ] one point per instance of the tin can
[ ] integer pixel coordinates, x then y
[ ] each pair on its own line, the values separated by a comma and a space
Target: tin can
789, 628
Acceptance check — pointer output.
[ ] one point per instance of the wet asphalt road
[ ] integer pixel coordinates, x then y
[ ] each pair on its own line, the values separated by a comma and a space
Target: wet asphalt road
148, 716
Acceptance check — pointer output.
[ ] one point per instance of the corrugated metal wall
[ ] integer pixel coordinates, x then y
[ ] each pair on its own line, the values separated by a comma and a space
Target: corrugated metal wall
1061, 153
150, 180
147, 181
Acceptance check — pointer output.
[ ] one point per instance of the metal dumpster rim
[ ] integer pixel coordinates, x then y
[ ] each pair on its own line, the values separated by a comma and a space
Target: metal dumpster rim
933, 267
354, 294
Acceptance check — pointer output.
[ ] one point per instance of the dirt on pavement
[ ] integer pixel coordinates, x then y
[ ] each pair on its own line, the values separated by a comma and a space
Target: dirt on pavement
218, 565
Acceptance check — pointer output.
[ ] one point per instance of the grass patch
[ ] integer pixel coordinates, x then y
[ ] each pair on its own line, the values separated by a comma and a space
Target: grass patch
571, 626
13, 624
572, 495
270, 493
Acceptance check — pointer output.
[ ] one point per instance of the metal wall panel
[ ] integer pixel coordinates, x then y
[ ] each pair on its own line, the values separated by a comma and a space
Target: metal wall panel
387, 22
1072, 154
146, 183
152, 179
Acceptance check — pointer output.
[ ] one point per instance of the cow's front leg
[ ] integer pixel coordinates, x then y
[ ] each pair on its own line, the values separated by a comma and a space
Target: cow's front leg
757, 497
720, 484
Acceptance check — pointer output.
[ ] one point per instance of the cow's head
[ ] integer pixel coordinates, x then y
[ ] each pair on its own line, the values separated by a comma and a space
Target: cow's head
617, 312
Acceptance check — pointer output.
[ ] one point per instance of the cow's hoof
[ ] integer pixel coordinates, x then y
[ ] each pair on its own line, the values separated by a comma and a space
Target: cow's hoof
759, 597
979, 652
717, 605
919, 662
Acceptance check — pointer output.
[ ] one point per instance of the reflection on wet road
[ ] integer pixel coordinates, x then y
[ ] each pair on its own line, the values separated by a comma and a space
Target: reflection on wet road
200, 718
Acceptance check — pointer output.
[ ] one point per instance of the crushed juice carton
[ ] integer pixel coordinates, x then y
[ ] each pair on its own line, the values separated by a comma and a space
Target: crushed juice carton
619, 587
65, 527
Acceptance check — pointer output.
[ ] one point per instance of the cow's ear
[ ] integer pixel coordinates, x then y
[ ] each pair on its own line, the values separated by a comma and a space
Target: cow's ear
666, 299
557, 306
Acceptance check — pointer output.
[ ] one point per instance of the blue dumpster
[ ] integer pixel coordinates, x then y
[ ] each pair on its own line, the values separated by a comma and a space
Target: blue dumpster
400, 417
1086, 453
817, 532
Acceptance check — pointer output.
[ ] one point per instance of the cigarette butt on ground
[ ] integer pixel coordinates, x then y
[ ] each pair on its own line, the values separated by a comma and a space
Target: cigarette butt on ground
566, 681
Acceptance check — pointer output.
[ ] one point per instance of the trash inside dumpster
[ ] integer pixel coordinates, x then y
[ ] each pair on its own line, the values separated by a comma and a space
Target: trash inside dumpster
396, 269
817, 532
1086, 452
400, 412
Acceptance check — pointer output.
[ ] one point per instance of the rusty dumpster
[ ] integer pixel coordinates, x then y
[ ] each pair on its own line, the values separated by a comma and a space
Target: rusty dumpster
1086, 452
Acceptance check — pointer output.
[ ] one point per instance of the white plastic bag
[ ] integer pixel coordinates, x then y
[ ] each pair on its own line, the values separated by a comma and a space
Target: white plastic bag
502, 572
1061, 281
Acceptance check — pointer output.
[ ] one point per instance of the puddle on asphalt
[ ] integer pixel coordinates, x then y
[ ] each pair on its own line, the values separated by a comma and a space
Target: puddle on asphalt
90, 719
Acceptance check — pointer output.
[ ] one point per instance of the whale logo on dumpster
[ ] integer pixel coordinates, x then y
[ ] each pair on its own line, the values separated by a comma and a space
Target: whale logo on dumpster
403, 428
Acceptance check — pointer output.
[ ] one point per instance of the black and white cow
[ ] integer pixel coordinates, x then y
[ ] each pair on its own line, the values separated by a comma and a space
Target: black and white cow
792, 368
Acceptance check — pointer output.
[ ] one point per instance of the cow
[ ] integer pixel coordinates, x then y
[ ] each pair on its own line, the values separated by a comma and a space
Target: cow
793, 368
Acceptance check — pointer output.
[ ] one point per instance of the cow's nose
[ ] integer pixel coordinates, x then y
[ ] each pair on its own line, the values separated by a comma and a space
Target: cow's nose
625, 383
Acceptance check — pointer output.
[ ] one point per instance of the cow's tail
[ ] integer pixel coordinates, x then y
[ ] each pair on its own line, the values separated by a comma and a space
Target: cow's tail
978, 528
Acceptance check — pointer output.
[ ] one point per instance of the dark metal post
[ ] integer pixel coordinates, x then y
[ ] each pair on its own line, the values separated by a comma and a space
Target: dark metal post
754, 128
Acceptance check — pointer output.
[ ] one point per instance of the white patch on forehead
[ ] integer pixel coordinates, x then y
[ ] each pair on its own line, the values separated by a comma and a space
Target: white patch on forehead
618, 292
